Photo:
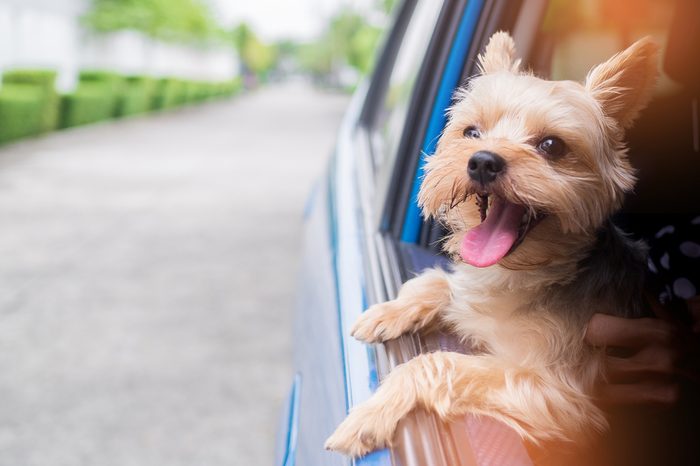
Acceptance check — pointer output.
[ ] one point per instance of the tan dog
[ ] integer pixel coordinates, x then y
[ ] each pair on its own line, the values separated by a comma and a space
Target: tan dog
525, 176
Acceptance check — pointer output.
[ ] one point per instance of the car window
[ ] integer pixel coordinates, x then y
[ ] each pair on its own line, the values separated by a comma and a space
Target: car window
576, 35
392, 112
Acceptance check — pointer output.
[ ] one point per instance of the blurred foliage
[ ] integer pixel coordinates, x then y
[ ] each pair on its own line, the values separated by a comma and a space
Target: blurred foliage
89, 103
339, 56
30, 105
362, 48
344, 51
256, 56
316, 58
45, 81
21, 108
387, 5
136, 96
352, 39
348, 43
174, 20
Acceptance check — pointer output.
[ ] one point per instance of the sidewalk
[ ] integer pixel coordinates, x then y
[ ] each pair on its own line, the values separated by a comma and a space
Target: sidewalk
147, 277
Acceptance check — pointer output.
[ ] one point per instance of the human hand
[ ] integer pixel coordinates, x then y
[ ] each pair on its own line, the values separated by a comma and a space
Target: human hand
647, 358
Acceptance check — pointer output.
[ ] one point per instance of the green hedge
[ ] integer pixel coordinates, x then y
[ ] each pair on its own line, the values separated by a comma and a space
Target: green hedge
171, 92
168, 93
232, 87
136, 96
90, 103
191, 90
161, 92
45, 80
96, 98
21, 107
29, 103
112, 85
206, 91
180, 91
102, 77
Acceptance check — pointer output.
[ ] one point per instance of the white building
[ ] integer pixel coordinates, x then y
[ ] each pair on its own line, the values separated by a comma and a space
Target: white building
48, 34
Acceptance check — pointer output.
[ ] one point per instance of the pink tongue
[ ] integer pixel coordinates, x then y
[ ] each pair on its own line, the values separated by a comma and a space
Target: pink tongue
487, 243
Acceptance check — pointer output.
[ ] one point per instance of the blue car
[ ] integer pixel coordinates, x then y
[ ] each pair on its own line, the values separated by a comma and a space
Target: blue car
364, 235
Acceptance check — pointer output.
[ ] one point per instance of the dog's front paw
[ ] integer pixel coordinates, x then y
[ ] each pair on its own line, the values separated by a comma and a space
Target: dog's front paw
361, 432
379, 323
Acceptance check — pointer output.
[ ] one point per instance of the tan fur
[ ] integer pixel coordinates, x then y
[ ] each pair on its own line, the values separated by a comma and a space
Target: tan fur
417, 307
622, 84
499, 55
533, 370
454, 384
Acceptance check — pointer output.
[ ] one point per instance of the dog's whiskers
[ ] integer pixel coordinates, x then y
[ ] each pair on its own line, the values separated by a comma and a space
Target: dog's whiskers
453, 194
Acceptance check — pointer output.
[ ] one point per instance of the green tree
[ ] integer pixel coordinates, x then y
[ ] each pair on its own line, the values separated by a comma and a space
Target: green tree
349, 40
176, 20
256, 56
387, 5
363, 44
315, 58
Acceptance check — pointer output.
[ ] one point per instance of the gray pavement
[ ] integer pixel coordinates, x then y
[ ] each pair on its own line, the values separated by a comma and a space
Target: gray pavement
147, 277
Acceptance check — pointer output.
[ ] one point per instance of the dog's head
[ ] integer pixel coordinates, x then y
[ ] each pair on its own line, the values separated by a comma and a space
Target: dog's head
524, 160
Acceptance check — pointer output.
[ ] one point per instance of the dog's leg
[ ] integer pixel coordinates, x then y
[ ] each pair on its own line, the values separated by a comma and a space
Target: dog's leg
453, 384
444, 383
419, 303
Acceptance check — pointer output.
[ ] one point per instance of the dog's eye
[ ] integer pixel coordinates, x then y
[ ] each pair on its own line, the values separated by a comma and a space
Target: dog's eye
472, 132
552, 146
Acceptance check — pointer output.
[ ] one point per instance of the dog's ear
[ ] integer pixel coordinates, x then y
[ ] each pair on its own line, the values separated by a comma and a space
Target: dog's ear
499, 55
623, 84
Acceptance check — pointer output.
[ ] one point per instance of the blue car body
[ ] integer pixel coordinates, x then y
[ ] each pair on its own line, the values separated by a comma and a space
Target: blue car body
332, 370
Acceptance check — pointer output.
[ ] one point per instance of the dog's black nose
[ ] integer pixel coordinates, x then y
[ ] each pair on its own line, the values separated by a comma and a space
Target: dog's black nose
485, 166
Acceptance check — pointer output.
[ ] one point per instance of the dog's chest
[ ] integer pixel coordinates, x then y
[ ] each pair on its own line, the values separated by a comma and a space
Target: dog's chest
482, 320
509, 322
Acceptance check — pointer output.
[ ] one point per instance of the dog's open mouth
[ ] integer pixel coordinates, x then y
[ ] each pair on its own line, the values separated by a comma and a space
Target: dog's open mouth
503, 227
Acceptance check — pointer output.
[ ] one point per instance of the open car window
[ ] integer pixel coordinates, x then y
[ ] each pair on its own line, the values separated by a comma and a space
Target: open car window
392, 110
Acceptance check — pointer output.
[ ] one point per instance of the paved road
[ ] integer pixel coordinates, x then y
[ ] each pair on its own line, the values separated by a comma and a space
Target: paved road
147, 275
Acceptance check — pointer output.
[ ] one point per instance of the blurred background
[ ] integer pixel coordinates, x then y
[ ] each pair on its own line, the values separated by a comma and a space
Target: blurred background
155, 156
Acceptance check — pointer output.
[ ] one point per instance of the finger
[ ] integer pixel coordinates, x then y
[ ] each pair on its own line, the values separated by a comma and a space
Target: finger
607, 330
661, 394
652, 361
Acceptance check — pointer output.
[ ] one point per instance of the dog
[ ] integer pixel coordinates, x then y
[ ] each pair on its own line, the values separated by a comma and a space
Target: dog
526, 176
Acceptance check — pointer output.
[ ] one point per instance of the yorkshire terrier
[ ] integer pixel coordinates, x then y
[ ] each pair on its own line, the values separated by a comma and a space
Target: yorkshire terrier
525, 177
